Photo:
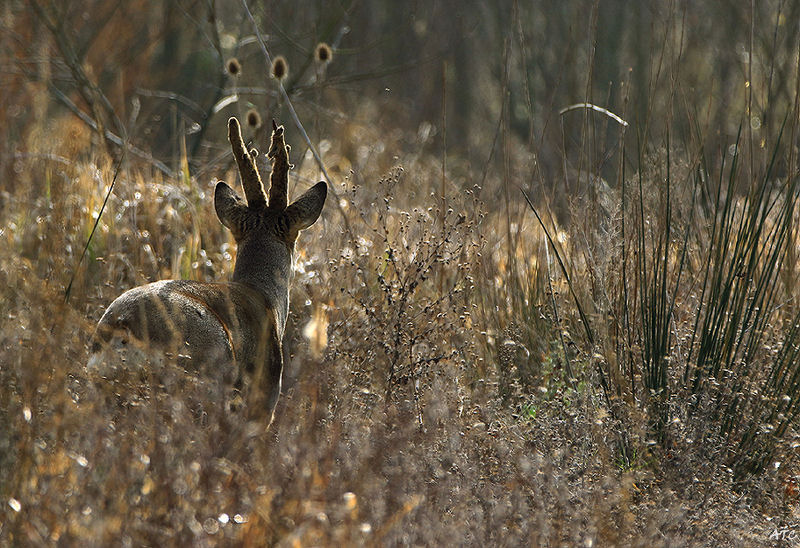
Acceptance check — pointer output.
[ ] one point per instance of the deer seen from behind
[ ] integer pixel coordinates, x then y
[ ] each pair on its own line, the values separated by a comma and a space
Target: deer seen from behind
229, 329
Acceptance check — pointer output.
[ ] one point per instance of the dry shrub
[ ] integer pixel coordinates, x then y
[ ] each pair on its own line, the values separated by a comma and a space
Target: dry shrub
392, 428
381, 439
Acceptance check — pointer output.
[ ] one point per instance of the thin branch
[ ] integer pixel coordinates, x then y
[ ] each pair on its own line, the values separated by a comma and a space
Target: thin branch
172, 96
88, 90
596, 108
289, 105
299, 124
109, 136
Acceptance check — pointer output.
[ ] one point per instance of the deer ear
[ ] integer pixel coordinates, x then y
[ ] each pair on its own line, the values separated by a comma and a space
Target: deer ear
230, 208
306, 209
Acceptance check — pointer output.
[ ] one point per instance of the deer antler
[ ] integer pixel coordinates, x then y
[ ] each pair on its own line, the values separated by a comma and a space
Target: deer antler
279, 180
251, 180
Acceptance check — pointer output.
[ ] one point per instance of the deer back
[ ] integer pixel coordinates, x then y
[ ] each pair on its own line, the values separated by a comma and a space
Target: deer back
233, 329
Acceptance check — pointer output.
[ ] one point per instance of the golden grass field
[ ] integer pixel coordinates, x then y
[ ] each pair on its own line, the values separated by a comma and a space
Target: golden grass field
624, 373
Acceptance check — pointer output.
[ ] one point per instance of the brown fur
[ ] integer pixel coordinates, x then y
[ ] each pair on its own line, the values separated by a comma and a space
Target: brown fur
235, 327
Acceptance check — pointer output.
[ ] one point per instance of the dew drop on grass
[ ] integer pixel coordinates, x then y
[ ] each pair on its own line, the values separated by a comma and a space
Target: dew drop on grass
239, 518
26, 413
14, 504
211, 526
180, 488
223, 518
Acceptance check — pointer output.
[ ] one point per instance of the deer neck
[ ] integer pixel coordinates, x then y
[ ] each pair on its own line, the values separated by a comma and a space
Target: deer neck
266, 267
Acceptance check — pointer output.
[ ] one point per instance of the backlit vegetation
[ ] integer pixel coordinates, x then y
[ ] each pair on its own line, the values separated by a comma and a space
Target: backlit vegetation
614, 362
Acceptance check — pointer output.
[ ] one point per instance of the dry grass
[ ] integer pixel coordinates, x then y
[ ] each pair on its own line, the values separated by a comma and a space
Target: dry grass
441, 385
413, 412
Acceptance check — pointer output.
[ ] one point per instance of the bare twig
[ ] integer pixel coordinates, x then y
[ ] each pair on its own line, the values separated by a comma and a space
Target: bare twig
88, 90
289, 105
109, 136
299, 124
596, 108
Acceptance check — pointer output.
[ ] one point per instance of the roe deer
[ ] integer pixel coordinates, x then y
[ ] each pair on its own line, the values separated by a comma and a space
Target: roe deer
234, 328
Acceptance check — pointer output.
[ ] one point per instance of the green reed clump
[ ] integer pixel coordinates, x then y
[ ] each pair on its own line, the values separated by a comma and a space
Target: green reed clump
741, 317
705, 329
